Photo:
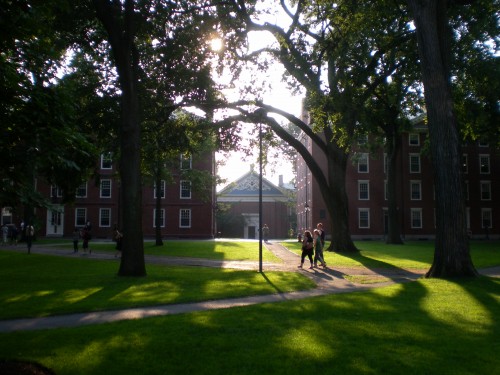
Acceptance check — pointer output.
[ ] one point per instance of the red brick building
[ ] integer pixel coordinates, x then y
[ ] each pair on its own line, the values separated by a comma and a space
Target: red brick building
366, 187
240, 202
184, 213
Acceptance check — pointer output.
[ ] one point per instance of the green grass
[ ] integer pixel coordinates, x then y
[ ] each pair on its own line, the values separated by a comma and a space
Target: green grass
416, 254
40, 285
216, 250
423, 327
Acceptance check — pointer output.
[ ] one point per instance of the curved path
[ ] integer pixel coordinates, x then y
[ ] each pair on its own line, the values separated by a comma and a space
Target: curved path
329, 281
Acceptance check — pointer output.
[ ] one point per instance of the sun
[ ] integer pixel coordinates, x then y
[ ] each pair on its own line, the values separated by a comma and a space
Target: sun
216, 44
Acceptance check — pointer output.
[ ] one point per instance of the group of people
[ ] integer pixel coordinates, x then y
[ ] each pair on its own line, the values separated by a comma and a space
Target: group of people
86, 235
312, 245
11, 234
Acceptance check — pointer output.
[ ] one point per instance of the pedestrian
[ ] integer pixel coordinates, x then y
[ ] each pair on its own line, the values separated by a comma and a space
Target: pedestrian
86, 236
118, 238
13, 234
318, 249
307, 248
319, 227
5, 233
265, 232
76, 238
30, 233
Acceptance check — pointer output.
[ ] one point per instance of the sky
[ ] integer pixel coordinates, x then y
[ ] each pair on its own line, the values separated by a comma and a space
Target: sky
278, 96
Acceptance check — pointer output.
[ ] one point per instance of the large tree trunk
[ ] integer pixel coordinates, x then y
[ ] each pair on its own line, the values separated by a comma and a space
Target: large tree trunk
120, 28
336, 200
392, 148
451, 255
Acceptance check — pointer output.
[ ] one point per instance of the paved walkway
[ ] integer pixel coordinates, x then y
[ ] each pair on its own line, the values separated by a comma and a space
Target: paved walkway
329, 281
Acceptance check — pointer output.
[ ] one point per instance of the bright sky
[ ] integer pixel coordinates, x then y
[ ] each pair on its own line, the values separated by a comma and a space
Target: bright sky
278, 96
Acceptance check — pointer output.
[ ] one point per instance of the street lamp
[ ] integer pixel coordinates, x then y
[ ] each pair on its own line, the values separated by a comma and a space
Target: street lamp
307, 209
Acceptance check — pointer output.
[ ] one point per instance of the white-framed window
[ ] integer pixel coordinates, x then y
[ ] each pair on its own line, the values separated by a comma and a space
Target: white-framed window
386, 188
484, 164
162, 190
414, 163
414, 139
55, 191
105, 188
162, 218
185, 218
105, 217
106, 160
81, 191
362, 139
483, 143
363, 190
363, 163
185, 189
486, 218
485, 190
465, 163
415, 190
80, 217
364, 218
186, 161
416, 218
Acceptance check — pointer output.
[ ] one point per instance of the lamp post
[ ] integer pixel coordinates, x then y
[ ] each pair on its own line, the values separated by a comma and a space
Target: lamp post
307, 209
260, 198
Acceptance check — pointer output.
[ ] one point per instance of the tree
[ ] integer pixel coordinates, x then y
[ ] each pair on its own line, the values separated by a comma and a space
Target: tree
336, 54
451, 256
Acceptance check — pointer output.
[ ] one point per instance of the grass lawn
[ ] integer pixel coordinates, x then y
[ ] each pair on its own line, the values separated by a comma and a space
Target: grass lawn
209, 249
40, 285
416, 254
423, 327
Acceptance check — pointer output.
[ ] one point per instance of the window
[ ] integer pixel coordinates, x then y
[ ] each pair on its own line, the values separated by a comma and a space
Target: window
363, 163
364, 190
416, 218
484, 164
80, 217
185, 218
105, 189
161, 218
414, 163
185, 189
486, 218
485, 190
162, 190
322, 213
106, 161
415, 190
81, 192
465, 164
413, 139
483, 143
364, 218
362, 139
55, 192
105, 217
186, 161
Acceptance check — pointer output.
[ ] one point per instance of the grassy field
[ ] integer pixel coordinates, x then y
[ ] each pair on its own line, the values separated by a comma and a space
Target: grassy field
429, 326
416, 254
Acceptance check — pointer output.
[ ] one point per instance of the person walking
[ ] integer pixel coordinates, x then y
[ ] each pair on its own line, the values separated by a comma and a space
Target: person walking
265, 232
30, 233
319, 227
86, 238
318, 249
307, 249
5, 232
118, 238
76, 237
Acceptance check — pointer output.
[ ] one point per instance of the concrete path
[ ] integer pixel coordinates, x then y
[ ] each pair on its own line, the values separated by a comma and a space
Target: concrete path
329, 281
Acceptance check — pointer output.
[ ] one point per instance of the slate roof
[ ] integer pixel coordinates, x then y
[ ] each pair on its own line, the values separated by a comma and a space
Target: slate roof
247, 186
